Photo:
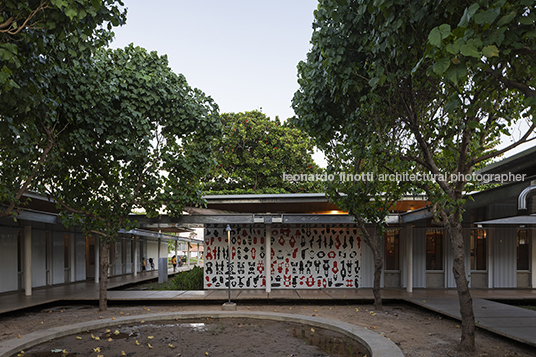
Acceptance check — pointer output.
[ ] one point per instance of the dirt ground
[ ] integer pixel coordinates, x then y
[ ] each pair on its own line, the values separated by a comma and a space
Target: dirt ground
417, 332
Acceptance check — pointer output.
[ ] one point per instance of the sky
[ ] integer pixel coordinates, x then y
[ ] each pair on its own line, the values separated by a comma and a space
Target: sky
242, 53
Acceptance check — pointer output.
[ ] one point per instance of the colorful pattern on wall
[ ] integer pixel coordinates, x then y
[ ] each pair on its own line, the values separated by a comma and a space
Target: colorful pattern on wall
301, 258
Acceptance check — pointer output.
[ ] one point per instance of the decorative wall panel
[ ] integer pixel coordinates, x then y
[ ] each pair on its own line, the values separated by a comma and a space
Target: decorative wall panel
301, 258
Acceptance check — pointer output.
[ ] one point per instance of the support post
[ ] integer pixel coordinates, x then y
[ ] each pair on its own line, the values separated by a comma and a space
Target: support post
490, 239
533, 259
72, 256
97, 259
188, 247
228, 229
268, 258
176, 256
158, 258
409, 260
228, 306
28, 260
198, 257
135, 268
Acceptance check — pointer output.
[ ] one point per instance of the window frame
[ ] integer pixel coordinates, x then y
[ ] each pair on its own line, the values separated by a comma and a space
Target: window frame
435, 231
396, 236
473, 267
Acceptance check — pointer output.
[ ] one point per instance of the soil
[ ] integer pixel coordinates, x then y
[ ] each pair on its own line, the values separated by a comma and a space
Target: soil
417, 332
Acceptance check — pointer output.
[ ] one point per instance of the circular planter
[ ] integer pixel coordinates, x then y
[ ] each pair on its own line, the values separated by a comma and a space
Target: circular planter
377, 345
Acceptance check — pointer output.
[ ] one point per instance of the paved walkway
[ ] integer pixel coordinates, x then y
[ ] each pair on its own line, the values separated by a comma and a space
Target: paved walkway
510, 321
86, 290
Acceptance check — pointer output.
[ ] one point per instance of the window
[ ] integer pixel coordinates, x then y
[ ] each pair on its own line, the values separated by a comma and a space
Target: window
523, 241
478, 249
434, 249
391, 249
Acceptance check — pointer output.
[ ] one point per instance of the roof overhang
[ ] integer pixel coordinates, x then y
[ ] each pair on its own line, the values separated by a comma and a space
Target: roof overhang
150, 235
247, 218
516, 220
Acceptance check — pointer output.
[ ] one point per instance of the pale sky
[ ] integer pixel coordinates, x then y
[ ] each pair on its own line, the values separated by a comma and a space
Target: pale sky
241, 53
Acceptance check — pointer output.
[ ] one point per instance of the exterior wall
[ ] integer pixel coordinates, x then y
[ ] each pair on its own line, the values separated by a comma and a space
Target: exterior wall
504, 258
301, 257
391, 279
419, 257
80, 257
163, 250
58, 267
152, 252
479, 279
128, 257
8, 259
39, 258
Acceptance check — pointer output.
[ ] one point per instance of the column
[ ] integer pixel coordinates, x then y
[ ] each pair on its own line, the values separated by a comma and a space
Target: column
533, 259
489, 241
72, 257
135, 268
28, 260
409, 260
97, 259
158, 267
188, 255
176, 256
268, 258
198, 258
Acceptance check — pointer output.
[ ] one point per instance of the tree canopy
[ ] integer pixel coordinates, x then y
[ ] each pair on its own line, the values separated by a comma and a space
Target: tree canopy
439, 81
140, 137
37, 39
255, 155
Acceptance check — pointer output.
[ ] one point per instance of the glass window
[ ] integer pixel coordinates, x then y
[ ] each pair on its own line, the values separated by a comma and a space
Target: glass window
478, 249
391, 249
523, 241
434, 249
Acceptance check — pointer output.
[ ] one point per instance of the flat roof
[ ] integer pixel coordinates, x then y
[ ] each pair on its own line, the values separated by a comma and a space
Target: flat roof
303, 203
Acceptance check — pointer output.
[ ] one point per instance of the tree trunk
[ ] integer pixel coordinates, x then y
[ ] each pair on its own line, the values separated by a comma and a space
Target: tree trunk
373, 241
467, 343
378, 265
103, 282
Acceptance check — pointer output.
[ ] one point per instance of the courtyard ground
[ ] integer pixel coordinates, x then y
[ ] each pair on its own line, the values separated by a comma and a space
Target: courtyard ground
417, 332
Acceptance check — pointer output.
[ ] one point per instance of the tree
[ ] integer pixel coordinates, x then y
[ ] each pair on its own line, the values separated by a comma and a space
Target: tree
359, 189
141, 138
37, 38
449, 78
255, 155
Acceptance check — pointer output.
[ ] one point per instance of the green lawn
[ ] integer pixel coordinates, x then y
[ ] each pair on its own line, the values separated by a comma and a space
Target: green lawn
530, 307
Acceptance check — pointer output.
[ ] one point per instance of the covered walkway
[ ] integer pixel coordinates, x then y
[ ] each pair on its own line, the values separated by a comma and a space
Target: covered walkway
490, 314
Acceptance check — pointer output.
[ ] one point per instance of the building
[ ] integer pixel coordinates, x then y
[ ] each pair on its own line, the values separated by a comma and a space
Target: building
36, 250
297, 241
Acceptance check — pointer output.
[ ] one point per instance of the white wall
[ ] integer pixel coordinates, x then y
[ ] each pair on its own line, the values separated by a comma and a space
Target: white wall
39, 259
8, 259
300, 258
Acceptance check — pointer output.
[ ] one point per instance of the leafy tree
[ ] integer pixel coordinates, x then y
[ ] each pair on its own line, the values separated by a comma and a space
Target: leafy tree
447, 77
255, 153
37, 38
359, 189
141, 138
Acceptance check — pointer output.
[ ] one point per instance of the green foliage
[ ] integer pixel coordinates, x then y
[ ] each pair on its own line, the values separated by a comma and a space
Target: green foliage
140, 138
253, 154
437, 82
447, 78
37, 40
189, 280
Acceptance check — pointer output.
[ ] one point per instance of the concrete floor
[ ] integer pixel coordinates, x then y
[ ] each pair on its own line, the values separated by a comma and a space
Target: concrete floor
506, 320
